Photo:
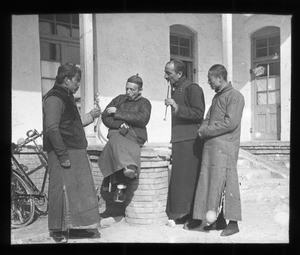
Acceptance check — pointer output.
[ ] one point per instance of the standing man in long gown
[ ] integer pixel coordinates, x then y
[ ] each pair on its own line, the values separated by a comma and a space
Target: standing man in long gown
188, 106
73, 203
218, 193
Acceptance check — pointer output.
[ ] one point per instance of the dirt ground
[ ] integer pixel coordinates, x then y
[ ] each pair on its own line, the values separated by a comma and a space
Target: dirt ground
265, 220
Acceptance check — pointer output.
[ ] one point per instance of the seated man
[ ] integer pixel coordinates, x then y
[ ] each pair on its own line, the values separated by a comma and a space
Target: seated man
126, 116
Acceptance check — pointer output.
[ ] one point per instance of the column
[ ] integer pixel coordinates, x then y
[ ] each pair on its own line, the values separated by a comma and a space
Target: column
87, 67
227, 43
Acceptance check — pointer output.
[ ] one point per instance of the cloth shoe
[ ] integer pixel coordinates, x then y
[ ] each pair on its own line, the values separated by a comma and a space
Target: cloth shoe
59, 236
183, 219
219, 224
192, 224
80, 233
231, 229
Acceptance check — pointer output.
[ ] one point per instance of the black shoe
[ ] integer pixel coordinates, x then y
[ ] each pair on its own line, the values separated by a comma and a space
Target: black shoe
59, 236
192, 224
80, 233
183, 219
232, 228
219, 224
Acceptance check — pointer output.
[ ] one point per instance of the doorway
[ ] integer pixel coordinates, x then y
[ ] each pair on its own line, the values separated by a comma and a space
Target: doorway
265, 81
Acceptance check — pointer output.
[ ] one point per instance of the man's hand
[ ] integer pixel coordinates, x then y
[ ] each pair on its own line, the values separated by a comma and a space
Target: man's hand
96, 112
124, 125
111, 110
66, 164
170, 101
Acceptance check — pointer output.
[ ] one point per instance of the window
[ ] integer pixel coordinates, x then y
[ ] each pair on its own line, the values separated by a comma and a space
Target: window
59, 37
267, 46
181, 47
65, 25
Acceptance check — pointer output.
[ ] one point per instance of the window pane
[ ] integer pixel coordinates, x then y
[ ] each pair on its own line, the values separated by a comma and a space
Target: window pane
46, 16
75, 19
63, 30
261, 43
272, 98
184, 42
174, 50
274, 50
46, 27
75, 32
184, 52
261, 52
261, 84
72, 54
271, 84
261, 98
63, 18
274, 40
173, 40
260, 70
50, 51
274, 69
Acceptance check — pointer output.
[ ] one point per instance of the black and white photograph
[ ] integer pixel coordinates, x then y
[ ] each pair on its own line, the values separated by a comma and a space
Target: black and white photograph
152, 127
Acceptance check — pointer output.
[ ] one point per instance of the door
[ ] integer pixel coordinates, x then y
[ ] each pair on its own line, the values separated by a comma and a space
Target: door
266, 84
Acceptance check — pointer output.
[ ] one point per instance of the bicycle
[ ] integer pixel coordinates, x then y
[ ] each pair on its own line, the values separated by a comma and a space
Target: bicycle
27, 201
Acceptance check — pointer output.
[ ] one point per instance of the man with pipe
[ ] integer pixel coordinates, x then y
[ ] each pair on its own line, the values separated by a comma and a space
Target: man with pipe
126, 116
188, 106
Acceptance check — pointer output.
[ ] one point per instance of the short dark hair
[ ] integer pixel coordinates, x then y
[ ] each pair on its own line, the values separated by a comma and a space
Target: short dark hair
178, 66
218, 70
68, 70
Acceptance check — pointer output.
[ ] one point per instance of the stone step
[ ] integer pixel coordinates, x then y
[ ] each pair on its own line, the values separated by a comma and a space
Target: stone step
250, 173
264, 194
264, 189
249, 160
262, 183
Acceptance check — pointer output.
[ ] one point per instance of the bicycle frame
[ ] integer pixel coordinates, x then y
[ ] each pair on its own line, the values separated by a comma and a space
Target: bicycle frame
31, 137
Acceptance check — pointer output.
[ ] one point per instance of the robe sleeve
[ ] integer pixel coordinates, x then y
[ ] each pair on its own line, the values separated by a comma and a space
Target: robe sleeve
53, 109
109, 120
86, 119
136, 119
232, 118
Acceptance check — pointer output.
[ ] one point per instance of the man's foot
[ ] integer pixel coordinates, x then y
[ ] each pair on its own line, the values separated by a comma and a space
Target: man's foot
59, 236
192, 224
183, 219
219, 224
80, 233
129, 172
231, 229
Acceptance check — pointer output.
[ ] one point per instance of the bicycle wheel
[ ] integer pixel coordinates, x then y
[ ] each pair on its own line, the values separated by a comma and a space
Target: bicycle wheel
22, 206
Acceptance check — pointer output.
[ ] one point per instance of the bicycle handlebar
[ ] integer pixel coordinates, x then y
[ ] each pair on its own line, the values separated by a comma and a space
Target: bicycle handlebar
31, 136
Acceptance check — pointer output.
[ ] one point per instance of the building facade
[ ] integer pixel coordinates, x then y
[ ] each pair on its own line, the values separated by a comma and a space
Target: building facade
255, 49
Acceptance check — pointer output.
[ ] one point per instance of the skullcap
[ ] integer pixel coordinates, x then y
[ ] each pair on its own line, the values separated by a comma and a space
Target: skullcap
136, 79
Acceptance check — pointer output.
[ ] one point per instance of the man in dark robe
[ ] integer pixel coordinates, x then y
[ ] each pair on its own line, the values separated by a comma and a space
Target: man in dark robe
126, 116
218, 195
188, 108
73, 203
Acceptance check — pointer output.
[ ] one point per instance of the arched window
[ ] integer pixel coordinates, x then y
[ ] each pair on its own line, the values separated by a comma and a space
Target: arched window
181, 47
